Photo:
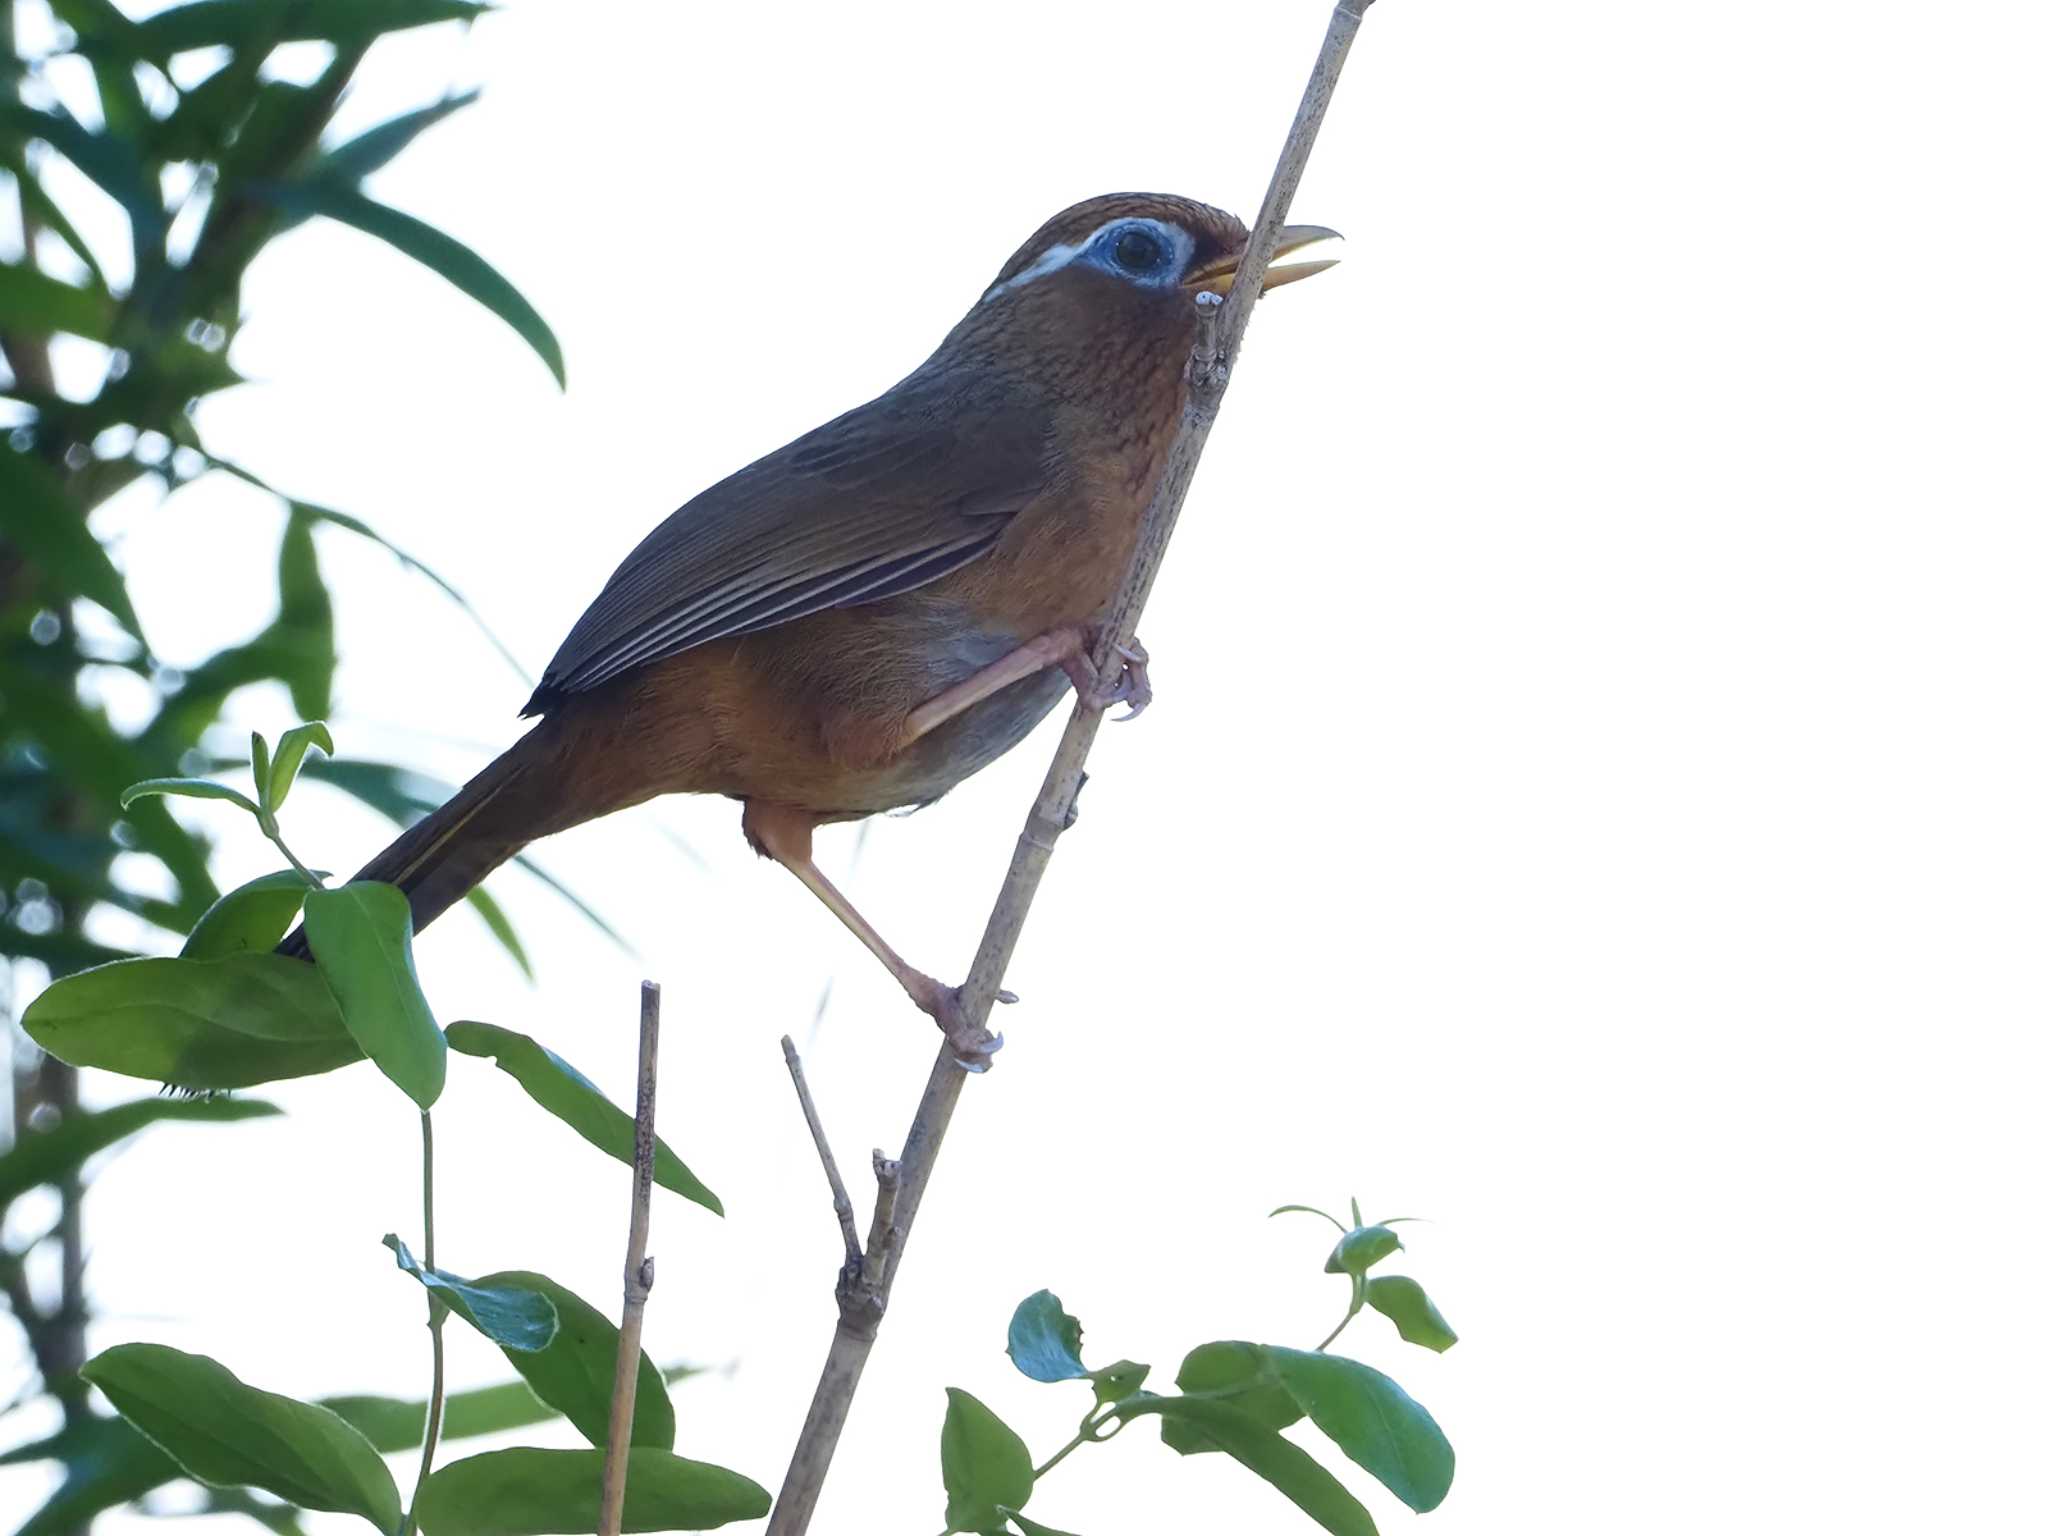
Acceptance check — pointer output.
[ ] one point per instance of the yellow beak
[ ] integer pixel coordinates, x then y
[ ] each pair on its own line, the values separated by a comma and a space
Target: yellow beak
1217, 276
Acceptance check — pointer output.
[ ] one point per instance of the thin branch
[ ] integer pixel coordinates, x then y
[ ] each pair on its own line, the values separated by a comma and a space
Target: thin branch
842, 1203
1217, 341
437, 1315
639, 1272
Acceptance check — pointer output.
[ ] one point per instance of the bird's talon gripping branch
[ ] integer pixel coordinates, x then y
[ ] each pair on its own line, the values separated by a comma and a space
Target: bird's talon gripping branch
1133, 685
973, 1045
1006, 996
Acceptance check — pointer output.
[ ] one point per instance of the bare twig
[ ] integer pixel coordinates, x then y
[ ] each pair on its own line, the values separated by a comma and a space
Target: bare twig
1217, 339
842, 1204
639, 1272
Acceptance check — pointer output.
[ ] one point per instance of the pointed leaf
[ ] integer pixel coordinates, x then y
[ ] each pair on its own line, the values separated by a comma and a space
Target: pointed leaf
1045, 1341
291, 751
1306, 1210
528, 1492
259, 768
1029, 1527
1278, 1460
575, 1100
501, 928
1413, 1314
195, 1024
438, 252
250, 919
1373, 1421
1113, 1383
229, 1434
511, 1317
43, 525
374, 148
36, 304
190, 789
984, 1465
43, 1157
361, 936
264, 23
573, 1371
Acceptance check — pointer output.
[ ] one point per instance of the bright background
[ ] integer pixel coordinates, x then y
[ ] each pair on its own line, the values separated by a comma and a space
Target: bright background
1595, 798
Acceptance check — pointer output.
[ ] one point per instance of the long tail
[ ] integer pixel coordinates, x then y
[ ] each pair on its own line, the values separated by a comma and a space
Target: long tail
444, 857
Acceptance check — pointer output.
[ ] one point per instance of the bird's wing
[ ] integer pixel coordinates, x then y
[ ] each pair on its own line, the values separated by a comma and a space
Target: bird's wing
892, 495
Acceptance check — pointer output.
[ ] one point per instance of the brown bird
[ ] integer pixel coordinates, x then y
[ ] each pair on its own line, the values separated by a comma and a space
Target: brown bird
863, 618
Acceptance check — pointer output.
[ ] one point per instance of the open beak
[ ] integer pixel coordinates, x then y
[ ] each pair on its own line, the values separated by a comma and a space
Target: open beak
1217, 276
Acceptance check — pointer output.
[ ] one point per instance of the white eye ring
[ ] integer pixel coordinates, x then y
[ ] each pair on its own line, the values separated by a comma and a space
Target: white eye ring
1098, 250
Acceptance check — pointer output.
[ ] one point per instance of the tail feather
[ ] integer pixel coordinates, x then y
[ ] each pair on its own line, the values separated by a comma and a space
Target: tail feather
446, 855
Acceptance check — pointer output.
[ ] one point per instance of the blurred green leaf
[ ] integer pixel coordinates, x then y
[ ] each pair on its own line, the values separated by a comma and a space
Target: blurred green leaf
1413, 1314
573, 1372
984, 1463
1045, 1340
44, 525
575, 1100
304, 627
1240, 1370
42, 1157
250, 919
1307, 1210
35, 303
511, 1317
230, 1434
494, 917
107, 1463
361, 936
438, 252
1373, 1421
189, 789
1260, 1449
194, 1024
291, 751
266, 23
111, 163
44, 209
375, 148
1030, 1527
529, 1492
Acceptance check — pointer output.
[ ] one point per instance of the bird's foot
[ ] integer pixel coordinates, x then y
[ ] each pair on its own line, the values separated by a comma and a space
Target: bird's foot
1132, 687
973, 1044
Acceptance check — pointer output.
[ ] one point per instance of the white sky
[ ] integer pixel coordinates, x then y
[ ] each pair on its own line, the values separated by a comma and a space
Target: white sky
1594, 799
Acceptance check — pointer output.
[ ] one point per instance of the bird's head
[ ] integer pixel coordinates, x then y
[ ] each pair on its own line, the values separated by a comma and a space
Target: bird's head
1112, 280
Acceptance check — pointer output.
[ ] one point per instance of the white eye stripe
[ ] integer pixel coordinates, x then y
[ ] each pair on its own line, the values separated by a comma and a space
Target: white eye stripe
1177, 240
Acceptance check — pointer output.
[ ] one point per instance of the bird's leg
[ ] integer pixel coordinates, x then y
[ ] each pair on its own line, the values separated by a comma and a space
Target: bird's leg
783, 833
1067, 648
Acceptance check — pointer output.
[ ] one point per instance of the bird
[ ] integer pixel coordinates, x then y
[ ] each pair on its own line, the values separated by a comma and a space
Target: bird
866, 616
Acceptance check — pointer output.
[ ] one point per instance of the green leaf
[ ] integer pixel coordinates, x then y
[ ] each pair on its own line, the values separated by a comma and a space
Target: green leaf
250, 919
395, 1425
1413, 1314
1229, 1366
1045, 1341
1306, 1210
511, 1317
291, 751
375, 148
361, 936
529, 1492
265, 23
229, 1434
1373, 1421
438, 252
1278, 1460
43, 525
573, 1372
191, 789
37, 304
111, 163
501, 929
984, 1464
1113, 1383
303, 631
43, 1157
108, 1463
1359, 1249
259, 767
575, 1100
195, 1024
45, 210
1030, 1527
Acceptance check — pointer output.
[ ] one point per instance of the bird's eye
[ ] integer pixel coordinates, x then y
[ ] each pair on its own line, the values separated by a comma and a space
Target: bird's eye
1139, 251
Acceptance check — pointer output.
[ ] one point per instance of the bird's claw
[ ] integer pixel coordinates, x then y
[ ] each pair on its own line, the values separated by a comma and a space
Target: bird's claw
1132, 688
973, 1044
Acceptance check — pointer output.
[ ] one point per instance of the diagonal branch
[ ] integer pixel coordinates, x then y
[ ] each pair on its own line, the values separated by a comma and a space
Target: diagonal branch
903, 1184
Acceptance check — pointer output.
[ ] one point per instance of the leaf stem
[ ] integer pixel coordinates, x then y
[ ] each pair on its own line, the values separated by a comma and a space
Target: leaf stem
1064, 1452
436, 1315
